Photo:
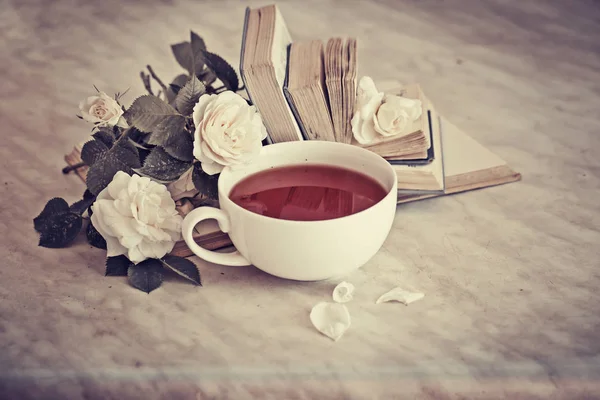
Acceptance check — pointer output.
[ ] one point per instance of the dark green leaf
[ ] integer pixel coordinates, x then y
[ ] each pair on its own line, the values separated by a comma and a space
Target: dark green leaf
183, 267
60, 229
180, 80
82, 205
222, 69
171, 125
183, 54
188, 96
88, 195
146, 276
160, 166
175, 88
189, 54
117, 266
206, 184
180, 146
143, 154
123, 156
171, 135
147, 112
105, 136
93, 150
207, 76
55, 206
137, 136
142, 146
198, 47
94, 237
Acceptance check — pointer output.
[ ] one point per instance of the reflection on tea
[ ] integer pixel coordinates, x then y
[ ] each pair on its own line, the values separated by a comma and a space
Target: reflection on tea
307, 192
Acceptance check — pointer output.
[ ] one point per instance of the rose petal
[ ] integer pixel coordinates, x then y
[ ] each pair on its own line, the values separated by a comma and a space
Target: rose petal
367, 131
113, 247
101, 110
135, 255
368, 110
391, 122
212, 168
122, 122
398, 294
368, 102
228, 131
343, 292
366, 89
413, 107
200, 107
331, 319
183, 187
137, 217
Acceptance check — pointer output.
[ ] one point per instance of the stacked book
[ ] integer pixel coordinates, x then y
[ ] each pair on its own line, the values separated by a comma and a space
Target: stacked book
306, 90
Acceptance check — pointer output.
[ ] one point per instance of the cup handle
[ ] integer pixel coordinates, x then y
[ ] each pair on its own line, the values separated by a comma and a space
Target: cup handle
233, 259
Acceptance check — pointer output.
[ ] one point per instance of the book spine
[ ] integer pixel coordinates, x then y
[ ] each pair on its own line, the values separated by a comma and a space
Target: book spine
288, 96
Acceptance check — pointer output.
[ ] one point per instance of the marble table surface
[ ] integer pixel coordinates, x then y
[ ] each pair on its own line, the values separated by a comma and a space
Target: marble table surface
511, 273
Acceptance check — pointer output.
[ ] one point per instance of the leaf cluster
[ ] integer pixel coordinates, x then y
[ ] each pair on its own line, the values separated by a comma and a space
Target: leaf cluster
159, 144
59, 224
206, 66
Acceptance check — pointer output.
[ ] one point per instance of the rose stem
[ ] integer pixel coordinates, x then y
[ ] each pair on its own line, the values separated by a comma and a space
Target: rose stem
156, 78
146, 80
73, 167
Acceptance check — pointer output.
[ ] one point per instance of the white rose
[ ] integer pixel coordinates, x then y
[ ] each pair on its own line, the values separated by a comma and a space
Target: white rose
380, 114
137, 217
228, 131
102, 110
183, 187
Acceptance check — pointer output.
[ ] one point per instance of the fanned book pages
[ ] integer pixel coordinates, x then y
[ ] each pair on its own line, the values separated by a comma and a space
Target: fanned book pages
306, 91
263, 63
340, 78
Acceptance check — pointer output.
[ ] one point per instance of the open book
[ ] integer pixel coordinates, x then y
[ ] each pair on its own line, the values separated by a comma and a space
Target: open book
321, 87
467, 166
425, 177
306, 92
340, 78
263, 63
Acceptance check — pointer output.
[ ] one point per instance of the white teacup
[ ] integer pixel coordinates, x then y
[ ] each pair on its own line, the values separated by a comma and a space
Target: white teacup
300, 250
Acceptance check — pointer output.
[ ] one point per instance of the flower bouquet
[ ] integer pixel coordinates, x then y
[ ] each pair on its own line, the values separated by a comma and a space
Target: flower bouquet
166, 147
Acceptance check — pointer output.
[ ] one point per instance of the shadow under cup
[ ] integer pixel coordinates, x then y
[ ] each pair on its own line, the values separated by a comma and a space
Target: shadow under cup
302, 250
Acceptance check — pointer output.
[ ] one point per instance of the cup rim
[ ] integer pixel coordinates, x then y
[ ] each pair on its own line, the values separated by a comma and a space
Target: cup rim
275, 147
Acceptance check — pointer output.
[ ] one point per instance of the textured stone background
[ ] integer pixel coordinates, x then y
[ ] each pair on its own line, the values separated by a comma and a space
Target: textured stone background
511, 274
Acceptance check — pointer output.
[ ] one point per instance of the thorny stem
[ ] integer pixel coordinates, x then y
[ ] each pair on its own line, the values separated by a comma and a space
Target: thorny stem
146, 80
73, 167
156, 78
222, 89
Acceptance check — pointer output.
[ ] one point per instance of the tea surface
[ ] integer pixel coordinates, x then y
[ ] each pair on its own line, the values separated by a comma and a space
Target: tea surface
307, 192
